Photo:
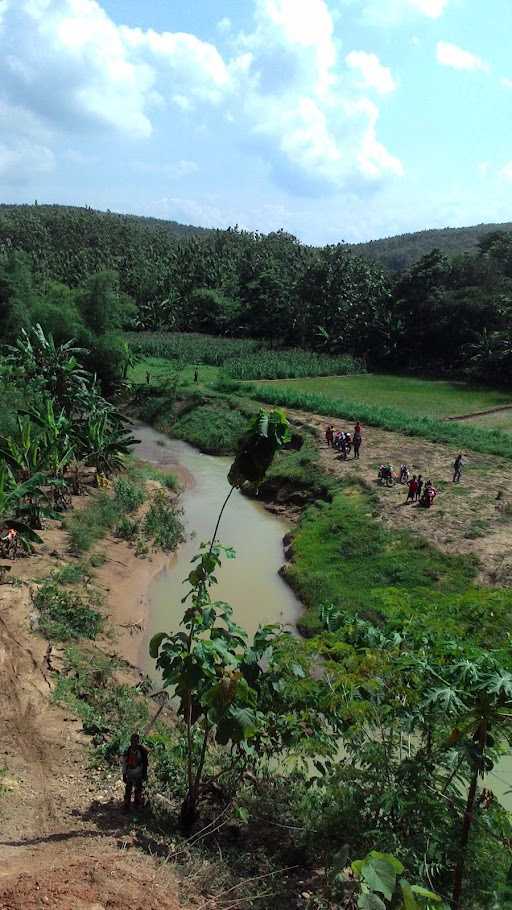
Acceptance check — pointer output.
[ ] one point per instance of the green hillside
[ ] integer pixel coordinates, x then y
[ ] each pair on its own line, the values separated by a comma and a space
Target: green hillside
400, 252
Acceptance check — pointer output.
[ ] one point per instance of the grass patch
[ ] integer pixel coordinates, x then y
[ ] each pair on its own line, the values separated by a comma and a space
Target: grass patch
290, 364
459, 435
300, 471
110, 711
103, 513
345, 558
412, 396
214, 427
65, 615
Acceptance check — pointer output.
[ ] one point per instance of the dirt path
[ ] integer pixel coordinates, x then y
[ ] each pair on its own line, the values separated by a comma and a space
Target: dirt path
64, 843
466, 518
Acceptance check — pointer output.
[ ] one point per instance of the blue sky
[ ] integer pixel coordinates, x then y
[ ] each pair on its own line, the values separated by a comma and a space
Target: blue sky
335, 119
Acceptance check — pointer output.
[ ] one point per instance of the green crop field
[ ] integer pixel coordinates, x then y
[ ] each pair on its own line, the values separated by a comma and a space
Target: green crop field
417, 397
160, 369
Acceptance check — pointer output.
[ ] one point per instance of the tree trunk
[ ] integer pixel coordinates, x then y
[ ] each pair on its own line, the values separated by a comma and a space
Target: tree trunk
458, 875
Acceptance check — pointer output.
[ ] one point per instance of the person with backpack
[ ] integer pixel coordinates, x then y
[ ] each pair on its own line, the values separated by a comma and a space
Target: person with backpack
135, 772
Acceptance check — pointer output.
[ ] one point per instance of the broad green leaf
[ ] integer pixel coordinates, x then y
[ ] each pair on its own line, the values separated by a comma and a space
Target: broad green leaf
424, 892
380, 876
154, 645
388, 858
370, 902
408, 896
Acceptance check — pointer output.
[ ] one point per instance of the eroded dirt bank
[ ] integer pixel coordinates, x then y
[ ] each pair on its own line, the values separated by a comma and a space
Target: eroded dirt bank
64, 843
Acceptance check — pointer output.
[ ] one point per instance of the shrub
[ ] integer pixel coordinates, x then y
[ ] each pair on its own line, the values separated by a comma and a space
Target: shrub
127, 528
65, 615
128, 495
163, 523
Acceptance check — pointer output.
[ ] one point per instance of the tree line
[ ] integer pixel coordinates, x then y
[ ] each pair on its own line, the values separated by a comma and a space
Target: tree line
88, 275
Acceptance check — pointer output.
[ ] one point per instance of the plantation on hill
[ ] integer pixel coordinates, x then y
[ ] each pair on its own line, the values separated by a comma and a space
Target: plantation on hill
401, 251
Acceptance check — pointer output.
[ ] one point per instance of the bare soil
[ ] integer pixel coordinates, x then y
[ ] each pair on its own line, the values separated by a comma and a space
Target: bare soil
466, 518
64, 842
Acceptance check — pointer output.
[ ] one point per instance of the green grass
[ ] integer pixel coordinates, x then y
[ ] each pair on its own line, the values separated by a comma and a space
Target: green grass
289, 363
460, 435
343, 556
415, 397
213, 426
500, 421
66, 615
161, 369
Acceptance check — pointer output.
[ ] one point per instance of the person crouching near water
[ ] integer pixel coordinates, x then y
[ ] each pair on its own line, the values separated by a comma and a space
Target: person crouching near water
135, 772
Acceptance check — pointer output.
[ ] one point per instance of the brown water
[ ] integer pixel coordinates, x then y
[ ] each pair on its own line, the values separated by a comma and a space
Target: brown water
250, 582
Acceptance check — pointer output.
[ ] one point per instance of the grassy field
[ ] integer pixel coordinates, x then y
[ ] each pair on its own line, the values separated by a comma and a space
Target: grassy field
159, 368
417, 397
500, 421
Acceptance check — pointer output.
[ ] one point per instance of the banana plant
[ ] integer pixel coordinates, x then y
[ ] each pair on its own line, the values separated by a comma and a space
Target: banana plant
14, 497
23, 451
55, 367
105, 443
56, 429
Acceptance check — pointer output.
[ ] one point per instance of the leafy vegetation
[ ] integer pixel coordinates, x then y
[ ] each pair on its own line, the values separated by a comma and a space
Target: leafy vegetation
65, 615
289, 364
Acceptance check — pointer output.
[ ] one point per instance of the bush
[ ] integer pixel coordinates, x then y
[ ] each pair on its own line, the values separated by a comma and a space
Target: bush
163, 523
65, 615
128, 495
190, 348
127, 528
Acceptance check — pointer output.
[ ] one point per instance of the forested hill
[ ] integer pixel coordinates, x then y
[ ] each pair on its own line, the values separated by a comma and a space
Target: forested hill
403, 250
49, 215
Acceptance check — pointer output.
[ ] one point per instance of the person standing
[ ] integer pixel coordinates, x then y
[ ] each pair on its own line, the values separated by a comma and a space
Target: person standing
413, 486
329, 435
357, 439
419, 487
458, 465
135, 772
196, 375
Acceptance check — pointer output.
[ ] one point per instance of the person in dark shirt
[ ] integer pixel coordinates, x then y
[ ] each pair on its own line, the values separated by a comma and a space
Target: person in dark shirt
135, 772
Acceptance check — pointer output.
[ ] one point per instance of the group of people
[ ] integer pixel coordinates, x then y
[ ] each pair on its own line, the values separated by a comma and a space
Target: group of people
344, 441
419, 491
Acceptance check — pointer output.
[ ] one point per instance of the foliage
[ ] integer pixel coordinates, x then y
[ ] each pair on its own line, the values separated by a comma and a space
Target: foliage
267, 433
65, 615
378, 874
162, 522
289, 364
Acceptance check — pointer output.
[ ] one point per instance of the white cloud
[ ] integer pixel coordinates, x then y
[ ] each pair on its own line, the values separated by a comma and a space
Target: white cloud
373, 73
457, 58
431, 8
285, 94
224, 25
311, 124
506, 171
484, 168
507, 83
385, 13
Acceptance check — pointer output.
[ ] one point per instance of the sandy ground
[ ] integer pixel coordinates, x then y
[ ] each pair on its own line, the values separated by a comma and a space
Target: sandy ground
64, 842
466, 518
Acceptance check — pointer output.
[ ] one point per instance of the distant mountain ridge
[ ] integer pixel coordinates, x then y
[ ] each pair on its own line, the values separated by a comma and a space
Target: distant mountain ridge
403, 250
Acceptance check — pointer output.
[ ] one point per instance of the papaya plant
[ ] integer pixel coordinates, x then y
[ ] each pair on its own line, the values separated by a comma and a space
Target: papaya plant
375, 883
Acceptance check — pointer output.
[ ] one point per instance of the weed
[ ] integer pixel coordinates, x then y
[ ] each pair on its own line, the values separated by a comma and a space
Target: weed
65, 615
128, 495
163, 522
127, 528
71, 573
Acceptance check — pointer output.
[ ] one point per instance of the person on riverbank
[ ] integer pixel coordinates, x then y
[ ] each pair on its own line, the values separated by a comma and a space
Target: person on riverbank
357, 439
329, 435
196, 375
412, 489
458, 466
419, 488
135, 772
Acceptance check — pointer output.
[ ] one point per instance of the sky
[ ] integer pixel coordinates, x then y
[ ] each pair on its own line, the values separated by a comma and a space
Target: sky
338, 120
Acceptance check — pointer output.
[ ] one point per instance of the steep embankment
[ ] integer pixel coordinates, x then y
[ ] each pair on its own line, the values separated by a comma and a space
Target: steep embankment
64, 843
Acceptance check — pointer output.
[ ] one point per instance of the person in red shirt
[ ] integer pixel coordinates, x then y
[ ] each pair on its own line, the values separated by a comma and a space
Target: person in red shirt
413, 486
357, 439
